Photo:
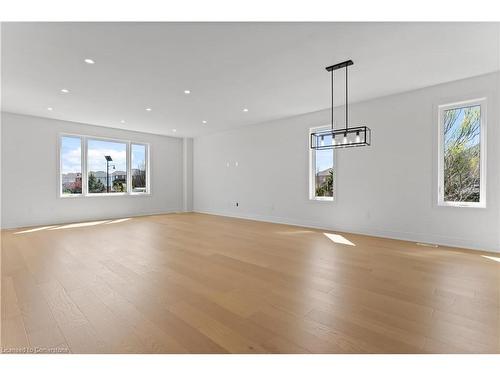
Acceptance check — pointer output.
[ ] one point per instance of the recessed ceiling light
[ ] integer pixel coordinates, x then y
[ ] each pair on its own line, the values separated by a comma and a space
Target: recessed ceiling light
174, 130
50, 108
148, 109
122, 121
245, 109
187, 92
89, 61
64, 91
204, 121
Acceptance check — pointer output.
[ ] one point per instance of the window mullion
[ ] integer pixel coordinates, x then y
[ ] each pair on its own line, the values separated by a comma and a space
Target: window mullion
84, 166
129, 168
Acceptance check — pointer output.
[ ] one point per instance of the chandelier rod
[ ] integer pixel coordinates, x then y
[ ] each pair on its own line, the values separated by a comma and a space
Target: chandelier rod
332, 98
332, 68
346, 99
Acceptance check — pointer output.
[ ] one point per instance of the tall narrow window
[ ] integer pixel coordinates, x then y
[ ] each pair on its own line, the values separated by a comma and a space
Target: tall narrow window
71, 166
461, 154
139, 168
322, 172
106, 166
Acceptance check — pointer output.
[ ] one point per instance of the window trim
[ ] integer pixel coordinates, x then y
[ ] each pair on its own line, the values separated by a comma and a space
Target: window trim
312, 169
482, 102
129, 171
84, 153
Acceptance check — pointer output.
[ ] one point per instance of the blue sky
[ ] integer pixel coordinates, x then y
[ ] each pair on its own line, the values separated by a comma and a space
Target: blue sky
324, 157
138, 156
70, 155
458, 123
97, 149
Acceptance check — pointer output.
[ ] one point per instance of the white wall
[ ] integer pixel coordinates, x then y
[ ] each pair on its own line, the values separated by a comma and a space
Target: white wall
388, 189
30, 183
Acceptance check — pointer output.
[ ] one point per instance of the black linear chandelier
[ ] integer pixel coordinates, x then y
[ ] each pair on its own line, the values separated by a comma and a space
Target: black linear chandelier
341, 138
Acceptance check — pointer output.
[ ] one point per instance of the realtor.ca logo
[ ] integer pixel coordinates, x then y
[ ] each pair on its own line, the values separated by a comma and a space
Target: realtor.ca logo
33, 350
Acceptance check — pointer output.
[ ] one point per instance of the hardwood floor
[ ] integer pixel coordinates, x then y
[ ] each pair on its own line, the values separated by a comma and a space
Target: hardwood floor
194, 283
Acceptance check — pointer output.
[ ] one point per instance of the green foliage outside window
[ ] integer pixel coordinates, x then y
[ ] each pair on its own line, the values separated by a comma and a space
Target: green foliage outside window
324, 187
95, 186
462, 128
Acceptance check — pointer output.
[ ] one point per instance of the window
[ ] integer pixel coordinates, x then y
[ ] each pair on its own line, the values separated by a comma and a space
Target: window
322, 172
107, 166
462, 157
139, 175
111, 167
70, 166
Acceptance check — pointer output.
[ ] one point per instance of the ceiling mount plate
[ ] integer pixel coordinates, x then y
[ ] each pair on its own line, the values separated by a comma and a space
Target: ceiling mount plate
341, 65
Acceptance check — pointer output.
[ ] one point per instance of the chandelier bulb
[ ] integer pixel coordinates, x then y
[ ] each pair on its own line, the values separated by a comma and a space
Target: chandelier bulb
358, 139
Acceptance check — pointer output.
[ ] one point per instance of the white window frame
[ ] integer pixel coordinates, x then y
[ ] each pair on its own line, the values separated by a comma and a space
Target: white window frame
146, 160
84, 151
482, 102
312, 169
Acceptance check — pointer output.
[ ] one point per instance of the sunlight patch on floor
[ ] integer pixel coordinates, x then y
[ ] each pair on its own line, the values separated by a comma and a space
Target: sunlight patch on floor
496, 259
80, 225
74, 225
118, 220
337, 238
35, 229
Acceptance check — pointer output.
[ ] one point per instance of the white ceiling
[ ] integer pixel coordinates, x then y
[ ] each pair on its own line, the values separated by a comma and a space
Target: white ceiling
274, 69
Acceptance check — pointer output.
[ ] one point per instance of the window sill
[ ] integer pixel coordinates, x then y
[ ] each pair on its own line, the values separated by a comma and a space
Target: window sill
140, 194
70, 196
462, 205
322, 199
94, 195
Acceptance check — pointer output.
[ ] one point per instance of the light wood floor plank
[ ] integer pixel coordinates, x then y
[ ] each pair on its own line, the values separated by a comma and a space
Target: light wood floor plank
196, 283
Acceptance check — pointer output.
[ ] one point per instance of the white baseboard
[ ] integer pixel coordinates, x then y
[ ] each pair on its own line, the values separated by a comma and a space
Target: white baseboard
376, 232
